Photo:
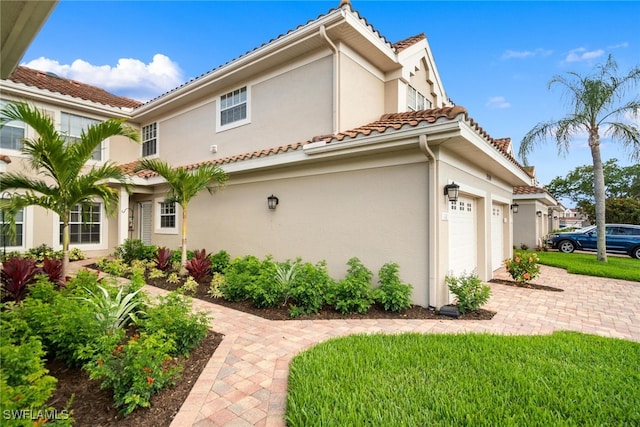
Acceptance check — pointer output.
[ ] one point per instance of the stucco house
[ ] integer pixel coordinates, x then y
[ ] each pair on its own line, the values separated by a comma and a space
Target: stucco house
353, 134
538, 213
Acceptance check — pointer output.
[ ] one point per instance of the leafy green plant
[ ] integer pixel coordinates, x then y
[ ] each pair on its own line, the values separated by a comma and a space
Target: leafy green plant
220, 261
156, 273
214, 286
173, 278
264, 290
116, 267
392, 294
75, 254
113, 312
523, 267
241, 273
134, 370
308, 290
469, 290
190, 286
135, 249
199, 267
16, 275
353, 294
173, 315
39, 253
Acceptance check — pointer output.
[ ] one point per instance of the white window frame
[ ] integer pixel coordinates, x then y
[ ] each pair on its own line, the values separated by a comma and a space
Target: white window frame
416, 101
158, 229
104, 233
147, 137
21, 246
14, 124
219, 109
67, 133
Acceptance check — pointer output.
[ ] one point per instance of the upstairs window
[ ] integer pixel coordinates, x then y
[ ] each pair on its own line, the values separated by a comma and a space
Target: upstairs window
149, 140
12, 133
234, 108
416, 101
72, 127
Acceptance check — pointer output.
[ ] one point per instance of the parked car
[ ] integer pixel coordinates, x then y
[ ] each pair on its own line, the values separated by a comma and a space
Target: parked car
621, 238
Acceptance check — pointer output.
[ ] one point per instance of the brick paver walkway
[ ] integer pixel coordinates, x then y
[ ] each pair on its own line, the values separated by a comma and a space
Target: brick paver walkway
245, 382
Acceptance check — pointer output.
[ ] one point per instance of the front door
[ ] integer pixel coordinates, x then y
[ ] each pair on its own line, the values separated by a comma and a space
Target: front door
145, 222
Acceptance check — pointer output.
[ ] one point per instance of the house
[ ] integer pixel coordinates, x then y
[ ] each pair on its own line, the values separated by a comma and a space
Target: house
354, 135
537, 214
573, 218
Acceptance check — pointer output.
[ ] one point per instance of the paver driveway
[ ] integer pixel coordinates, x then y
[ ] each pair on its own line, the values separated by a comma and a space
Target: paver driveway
245, 381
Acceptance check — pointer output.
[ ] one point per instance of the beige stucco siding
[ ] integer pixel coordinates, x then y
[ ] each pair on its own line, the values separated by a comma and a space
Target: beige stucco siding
362, 94
376, 212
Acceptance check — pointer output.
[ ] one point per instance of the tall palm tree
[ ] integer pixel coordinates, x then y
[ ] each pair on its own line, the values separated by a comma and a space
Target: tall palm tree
61, 178
598, 104
184, 184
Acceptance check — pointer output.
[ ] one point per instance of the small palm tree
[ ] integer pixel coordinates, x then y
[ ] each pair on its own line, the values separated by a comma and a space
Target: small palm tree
184, 184
62, 179
598, 101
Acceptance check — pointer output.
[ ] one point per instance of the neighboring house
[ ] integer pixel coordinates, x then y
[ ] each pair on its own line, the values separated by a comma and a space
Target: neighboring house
537, 215
354, 135
573, 218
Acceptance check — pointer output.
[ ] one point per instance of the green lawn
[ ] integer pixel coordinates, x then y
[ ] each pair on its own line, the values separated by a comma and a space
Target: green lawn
616, 267
563, 379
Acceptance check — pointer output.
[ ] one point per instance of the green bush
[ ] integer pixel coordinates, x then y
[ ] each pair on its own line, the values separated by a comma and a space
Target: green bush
470, 293
219, 261
40, 252
392, 294
135, 249
353, 294
113, 312
173, 315
523, 267
135, 369
241, 273
308, 290
265, 290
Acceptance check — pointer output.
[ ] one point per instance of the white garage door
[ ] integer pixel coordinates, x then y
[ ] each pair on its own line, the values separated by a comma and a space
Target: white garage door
463, 236
497, 236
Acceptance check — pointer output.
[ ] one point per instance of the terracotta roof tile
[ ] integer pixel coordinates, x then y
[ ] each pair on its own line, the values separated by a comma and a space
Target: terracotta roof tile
403, 44
5, 158
530, 190
53, 83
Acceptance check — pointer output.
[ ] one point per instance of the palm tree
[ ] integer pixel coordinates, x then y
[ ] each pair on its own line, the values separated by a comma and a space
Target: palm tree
62, 179
184, 184
597, 102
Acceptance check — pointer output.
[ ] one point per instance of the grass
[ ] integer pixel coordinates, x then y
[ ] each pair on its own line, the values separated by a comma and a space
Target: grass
616, 267
563, 379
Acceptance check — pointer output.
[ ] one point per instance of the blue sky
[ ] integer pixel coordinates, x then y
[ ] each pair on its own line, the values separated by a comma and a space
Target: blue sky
494, 58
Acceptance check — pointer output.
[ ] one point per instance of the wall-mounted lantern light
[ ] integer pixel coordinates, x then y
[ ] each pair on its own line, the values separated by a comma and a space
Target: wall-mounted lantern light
514, 208
539, 213
272, 201
451, 191
555, 217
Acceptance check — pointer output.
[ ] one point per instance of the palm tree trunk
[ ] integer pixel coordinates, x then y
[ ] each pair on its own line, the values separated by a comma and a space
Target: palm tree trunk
183, 270
598, 191
65, 245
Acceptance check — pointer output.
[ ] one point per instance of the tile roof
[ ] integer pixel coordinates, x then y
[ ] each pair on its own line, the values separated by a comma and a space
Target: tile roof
54, 83
410, 41
394, 121
531, 190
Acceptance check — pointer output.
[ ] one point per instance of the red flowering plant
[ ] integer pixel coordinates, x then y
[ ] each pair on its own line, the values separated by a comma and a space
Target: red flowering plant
523, 267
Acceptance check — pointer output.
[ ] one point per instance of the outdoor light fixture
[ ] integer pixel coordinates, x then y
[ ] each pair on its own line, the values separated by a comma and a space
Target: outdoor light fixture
514, 208
539, 213
272, 201
451, 191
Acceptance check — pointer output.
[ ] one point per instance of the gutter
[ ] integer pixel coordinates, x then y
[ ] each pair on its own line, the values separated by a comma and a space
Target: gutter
336, 81
433, 214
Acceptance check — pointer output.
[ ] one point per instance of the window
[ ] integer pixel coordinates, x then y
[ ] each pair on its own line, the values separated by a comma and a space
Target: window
17, 240
149, 140
233, 106
84, 226
167, 215
12, 133
72, 126
416, 101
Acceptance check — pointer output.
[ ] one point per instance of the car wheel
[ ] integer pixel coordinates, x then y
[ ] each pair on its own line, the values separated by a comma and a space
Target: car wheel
635, 252
566, 246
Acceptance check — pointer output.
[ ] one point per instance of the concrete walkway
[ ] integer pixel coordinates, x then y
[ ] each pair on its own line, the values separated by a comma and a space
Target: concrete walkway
245, 382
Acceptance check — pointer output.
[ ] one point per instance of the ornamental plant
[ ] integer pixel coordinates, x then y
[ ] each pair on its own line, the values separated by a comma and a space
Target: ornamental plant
523, 267
392, 294
470, 293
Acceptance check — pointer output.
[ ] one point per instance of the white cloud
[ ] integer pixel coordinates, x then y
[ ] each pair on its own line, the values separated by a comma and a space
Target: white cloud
498, 102
521, 54
619, 45
582, 54
130, 77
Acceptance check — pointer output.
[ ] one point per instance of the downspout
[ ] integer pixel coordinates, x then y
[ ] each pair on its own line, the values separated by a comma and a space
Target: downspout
433, 221
336, 82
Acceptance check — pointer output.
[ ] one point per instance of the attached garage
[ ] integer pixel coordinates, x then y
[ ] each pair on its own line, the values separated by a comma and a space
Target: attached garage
497, 235
463, 236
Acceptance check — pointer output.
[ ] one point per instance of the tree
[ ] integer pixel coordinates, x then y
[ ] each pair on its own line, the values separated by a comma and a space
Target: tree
62, 179
597, 101
184, 184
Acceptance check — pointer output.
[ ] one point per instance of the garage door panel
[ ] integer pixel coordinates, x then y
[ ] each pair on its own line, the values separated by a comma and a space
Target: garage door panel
463, 236
497, 236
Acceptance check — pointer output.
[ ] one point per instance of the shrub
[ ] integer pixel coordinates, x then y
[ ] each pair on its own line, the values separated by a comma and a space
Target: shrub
115, 267
163, 258
392, 294
353, 293
40, 252
219, 262
53, 269
523, 267
173, 278
470, 293
240, 274
308, 290
113, 312
173, 315
135, 369
199, 267
216, 282
176, 257
76, 254
189, 287
155, 273
135, 249
264, 290
16, 275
